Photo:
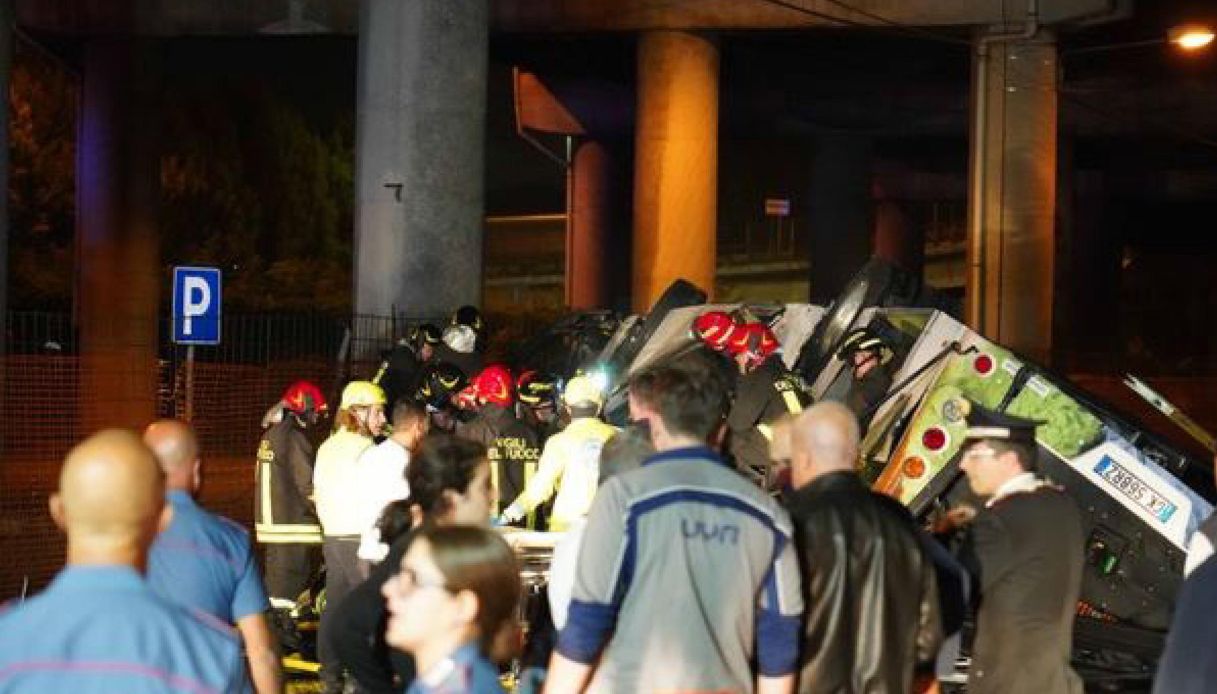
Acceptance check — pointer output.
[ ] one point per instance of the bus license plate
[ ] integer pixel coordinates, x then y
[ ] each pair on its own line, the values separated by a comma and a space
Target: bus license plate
1134, 488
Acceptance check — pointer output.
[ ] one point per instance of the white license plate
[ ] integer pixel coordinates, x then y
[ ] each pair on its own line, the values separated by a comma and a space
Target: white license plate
1134, 488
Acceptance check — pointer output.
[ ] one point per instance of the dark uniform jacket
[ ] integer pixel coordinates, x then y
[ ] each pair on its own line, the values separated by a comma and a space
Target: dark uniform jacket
864, 393
761, 396
1188, 665
283, 511
512, 446
1026, 552
870, 589
470, 363
399, 375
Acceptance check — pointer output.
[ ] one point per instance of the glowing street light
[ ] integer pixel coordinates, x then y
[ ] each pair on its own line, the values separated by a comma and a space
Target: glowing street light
1190, 37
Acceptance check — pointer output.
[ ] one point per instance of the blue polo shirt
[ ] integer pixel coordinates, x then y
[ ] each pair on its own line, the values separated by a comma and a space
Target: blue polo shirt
102, 629
204, 561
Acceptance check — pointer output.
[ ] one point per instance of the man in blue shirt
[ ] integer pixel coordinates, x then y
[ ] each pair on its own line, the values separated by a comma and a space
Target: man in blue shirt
204, 561
98, 627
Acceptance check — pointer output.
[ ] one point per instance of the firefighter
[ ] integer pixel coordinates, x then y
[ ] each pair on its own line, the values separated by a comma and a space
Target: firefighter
440, 383
764, 391
458, 346
511, 444
339, 504
400, 373
538, 395
570, 461
868, 356
285, 521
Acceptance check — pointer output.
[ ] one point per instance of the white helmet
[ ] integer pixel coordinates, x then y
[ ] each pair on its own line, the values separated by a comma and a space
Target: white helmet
460, 338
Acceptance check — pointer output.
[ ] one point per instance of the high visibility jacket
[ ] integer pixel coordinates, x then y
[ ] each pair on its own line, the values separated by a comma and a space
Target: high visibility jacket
283, 510
570, 461
336, 484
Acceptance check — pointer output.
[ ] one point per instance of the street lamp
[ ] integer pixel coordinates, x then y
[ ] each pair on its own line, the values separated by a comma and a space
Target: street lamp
1188, 37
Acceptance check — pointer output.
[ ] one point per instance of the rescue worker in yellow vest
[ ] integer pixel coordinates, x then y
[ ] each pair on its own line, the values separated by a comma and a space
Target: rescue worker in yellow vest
285, 520
570, 461
340, 507
764, 392
511, 445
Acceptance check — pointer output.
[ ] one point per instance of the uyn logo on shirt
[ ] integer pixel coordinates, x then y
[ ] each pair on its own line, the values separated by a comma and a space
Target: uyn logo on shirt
722, 533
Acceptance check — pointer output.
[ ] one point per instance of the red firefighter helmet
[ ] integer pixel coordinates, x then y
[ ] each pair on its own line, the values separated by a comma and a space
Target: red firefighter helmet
495, 385
302, 397
715, 328
753, 342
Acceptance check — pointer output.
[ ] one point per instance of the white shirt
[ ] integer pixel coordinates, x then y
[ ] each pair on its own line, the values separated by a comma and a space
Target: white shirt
1026, 482
562, 570
381, 475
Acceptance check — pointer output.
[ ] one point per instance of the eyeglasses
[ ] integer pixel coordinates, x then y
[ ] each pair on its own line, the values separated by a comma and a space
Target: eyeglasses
410, 581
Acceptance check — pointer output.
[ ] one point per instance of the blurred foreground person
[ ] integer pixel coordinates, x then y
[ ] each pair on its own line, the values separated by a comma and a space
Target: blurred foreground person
203, 561
382, 472
99, 627
687, 576
872, 599
449, 482
1026, 551
452, 606
1189, 663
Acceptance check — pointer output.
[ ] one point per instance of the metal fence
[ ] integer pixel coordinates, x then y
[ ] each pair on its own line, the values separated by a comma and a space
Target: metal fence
49, 389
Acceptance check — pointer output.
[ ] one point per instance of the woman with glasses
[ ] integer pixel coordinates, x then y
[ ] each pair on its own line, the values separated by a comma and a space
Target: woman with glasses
450, 484
452, 605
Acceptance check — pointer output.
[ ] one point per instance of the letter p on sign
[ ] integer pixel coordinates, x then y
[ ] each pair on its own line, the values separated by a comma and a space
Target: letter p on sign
196, 305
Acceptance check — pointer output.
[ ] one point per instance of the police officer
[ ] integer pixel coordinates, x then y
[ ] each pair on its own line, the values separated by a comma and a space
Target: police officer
1026, 549
868, 356
511, 444
285, 521
764, 391
570, 460
401, 371
99, 626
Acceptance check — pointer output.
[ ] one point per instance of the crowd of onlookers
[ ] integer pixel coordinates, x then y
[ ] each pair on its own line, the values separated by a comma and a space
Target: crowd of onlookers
678, 568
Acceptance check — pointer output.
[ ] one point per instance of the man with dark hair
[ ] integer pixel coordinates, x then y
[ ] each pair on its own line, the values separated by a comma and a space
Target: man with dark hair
872, 612
687, 575
380, 472
1026, 550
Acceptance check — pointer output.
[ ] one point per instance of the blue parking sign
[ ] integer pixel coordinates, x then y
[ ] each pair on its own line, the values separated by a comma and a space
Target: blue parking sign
196, 305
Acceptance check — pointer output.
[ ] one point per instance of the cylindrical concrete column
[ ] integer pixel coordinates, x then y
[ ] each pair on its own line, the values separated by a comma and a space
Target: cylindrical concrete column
594, 219
1012, 200
676, 164
421, 112
838, 212
118, 250
6, 64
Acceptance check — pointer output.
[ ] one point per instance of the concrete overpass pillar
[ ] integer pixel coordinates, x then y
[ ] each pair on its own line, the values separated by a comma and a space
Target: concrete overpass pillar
595, 223
421, 112
1012, 201
118, 250
838, 212
676, 163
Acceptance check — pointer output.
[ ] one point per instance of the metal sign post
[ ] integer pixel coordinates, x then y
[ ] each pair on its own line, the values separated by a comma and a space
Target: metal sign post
196, 317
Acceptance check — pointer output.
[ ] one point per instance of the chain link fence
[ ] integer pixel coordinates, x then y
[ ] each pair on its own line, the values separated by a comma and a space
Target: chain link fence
51, 398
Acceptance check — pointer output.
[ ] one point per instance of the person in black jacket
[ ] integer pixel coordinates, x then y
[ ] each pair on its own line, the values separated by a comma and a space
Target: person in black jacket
1026, 548
872, 599
514, 448
765, 390
868, 356
285, 520
401, 372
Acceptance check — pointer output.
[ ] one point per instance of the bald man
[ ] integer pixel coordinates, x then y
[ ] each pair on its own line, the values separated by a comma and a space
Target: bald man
203, 561
99, 627
872, 602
